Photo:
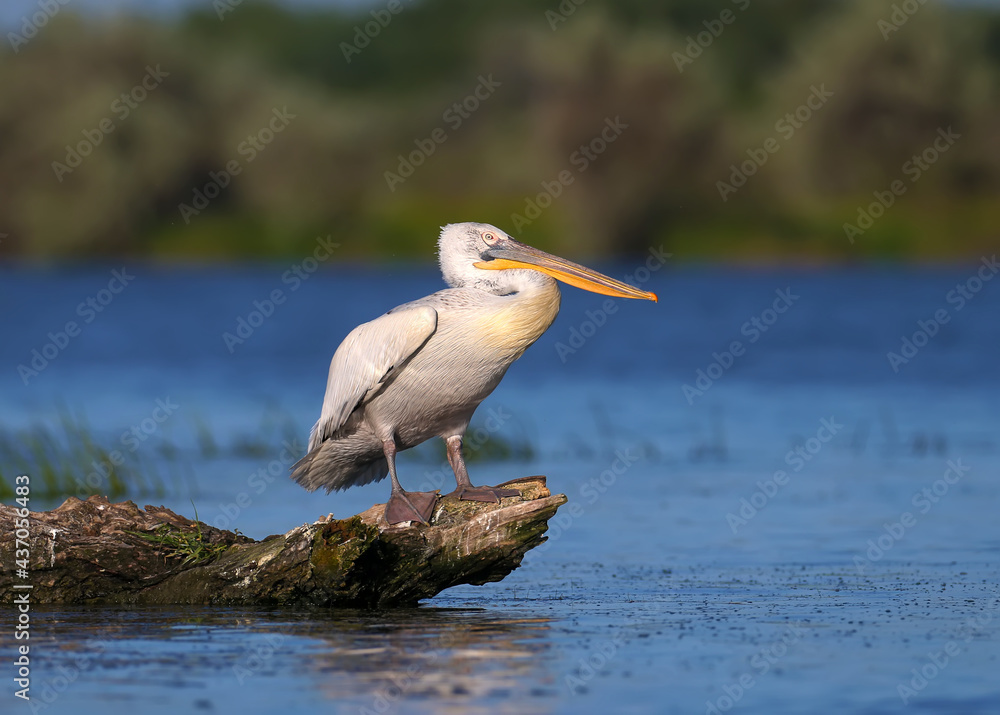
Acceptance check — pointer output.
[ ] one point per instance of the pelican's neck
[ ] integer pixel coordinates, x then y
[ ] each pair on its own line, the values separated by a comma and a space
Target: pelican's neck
514, 281
528, 305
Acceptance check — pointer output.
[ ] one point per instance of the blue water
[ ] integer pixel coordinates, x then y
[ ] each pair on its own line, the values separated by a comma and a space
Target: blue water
762, 542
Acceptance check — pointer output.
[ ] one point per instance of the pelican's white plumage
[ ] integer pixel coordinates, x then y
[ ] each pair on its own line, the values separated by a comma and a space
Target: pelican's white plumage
423, 368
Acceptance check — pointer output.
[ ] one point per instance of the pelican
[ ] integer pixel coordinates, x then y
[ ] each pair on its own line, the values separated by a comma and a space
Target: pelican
421, 370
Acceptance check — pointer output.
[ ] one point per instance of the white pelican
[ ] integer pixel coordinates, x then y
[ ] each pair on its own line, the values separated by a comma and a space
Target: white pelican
421, 370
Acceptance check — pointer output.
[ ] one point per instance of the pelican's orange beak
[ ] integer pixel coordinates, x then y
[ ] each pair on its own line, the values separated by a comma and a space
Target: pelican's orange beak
513, 254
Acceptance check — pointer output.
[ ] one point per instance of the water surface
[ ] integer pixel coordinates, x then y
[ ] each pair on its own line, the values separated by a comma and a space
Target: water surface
739, 549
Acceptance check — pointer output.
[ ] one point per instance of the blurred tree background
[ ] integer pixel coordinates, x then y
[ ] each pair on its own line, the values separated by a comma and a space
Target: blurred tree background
322, 111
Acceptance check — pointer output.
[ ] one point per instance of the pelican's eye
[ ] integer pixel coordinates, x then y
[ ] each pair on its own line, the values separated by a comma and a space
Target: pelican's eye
490, 237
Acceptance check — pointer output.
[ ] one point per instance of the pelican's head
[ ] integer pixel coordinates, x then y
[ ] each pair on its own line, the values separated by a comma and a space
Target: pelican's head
482, 256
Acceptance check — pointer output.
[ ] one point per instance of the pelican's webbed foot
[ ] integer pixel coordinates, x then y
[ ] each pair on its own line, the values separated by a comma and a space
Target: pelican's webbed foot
410, 506
485, 494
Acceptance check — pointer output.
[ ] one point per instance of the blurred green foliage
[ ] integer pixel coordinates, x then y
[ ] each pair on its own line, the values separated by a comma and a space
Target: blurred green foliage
564, 69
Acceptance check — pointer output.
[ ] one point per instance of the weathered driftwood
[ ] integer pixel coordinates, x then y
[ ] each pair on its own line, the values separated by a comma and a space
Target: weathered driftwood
94, 551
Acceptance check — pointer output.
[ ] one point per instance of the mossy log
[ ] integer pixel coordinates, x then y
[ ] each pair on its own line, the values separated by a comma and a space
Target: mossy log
94, 551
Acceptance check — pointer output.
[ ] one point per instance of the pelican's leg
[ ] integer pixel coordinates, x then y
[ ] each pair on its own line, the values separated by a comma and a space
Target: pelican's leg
465, 489
402, 505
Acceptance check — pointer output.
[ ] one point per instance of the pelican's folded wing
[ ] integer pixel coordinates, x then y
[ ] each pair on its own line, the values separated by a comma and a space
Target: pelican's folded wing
366, 359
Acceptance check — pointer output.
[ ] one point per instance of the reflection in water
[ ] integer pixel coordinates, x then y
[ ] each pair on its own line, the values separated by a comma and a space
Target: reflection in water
443, 660
445, 655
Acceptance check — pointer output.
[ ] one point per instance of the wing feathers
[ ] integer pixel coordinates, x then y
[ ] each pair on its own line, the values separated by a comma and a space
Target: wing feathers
366, 359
